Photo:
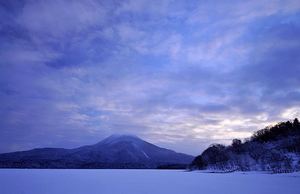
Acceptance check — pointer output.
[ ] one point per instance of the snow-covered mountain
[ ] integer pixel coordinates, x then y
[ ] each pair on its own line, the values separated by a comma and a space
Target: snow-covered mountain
116, 151
274, 148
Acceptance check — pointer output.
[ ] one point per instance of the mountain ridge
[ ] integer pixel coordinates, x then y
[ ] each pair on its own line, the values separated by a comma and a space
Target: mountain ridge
115, 151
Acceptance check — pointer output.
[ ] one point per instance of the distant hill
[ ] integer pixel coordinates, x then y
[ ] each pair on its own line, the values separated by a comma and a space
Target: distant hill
275, 148
116, 151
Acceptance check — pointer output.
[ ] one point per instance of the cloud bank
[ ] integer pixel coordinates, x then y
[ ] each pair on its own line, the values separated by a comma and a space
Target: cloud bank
179, 74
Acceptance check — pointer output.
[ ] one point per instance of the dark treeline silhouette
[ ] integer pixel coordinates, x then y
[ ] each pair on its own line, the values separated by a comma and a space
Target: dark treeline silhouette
280, 130
274, 148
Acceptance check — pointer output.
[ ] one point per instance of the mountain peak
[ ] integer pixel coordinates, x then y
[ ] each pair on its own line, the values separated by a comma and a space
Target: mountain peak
117, 135
121, 138
115, 151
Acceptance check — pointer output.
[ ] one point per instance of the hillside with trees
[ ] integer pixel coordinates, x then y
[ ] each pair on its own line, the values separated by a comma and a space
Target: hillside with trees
274, 148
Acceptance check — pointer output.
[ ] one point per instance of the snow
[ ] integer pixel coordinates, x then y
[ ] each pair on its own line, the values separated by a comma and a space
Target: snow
146, 155
118, 137
26, 181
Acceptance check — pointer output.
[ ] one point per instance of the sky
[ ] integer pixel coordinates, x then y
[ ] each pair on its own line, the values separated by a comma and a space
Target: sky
179, 74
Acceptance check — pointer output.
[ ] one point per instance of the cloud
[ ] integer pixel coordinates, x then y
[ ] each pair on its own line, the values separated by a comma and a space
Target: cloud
60, 18
179, 74
239, 12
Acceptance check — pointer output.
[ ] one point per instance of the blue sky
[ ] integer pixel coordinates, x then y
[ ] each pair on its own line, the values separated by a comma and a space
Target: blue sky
180, 74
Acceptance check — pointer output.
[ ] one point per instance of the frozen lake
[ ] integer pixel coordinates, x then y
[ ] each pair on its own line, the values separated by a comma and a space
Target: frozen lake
14, 181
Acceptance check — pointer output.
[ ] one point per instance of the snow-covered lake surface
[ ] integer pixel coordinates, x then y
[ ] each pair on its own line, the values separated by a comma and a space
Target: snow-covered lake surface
25, 181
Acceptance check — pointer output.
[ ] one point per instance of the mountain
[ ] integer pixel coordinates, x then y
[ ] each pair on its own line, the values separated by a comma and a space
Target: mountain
116, 151
275, 148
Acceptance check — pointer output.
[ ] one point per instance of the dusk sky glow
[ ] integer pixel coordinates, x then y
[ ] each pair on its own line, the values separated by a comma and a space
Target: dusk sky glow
179, 74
